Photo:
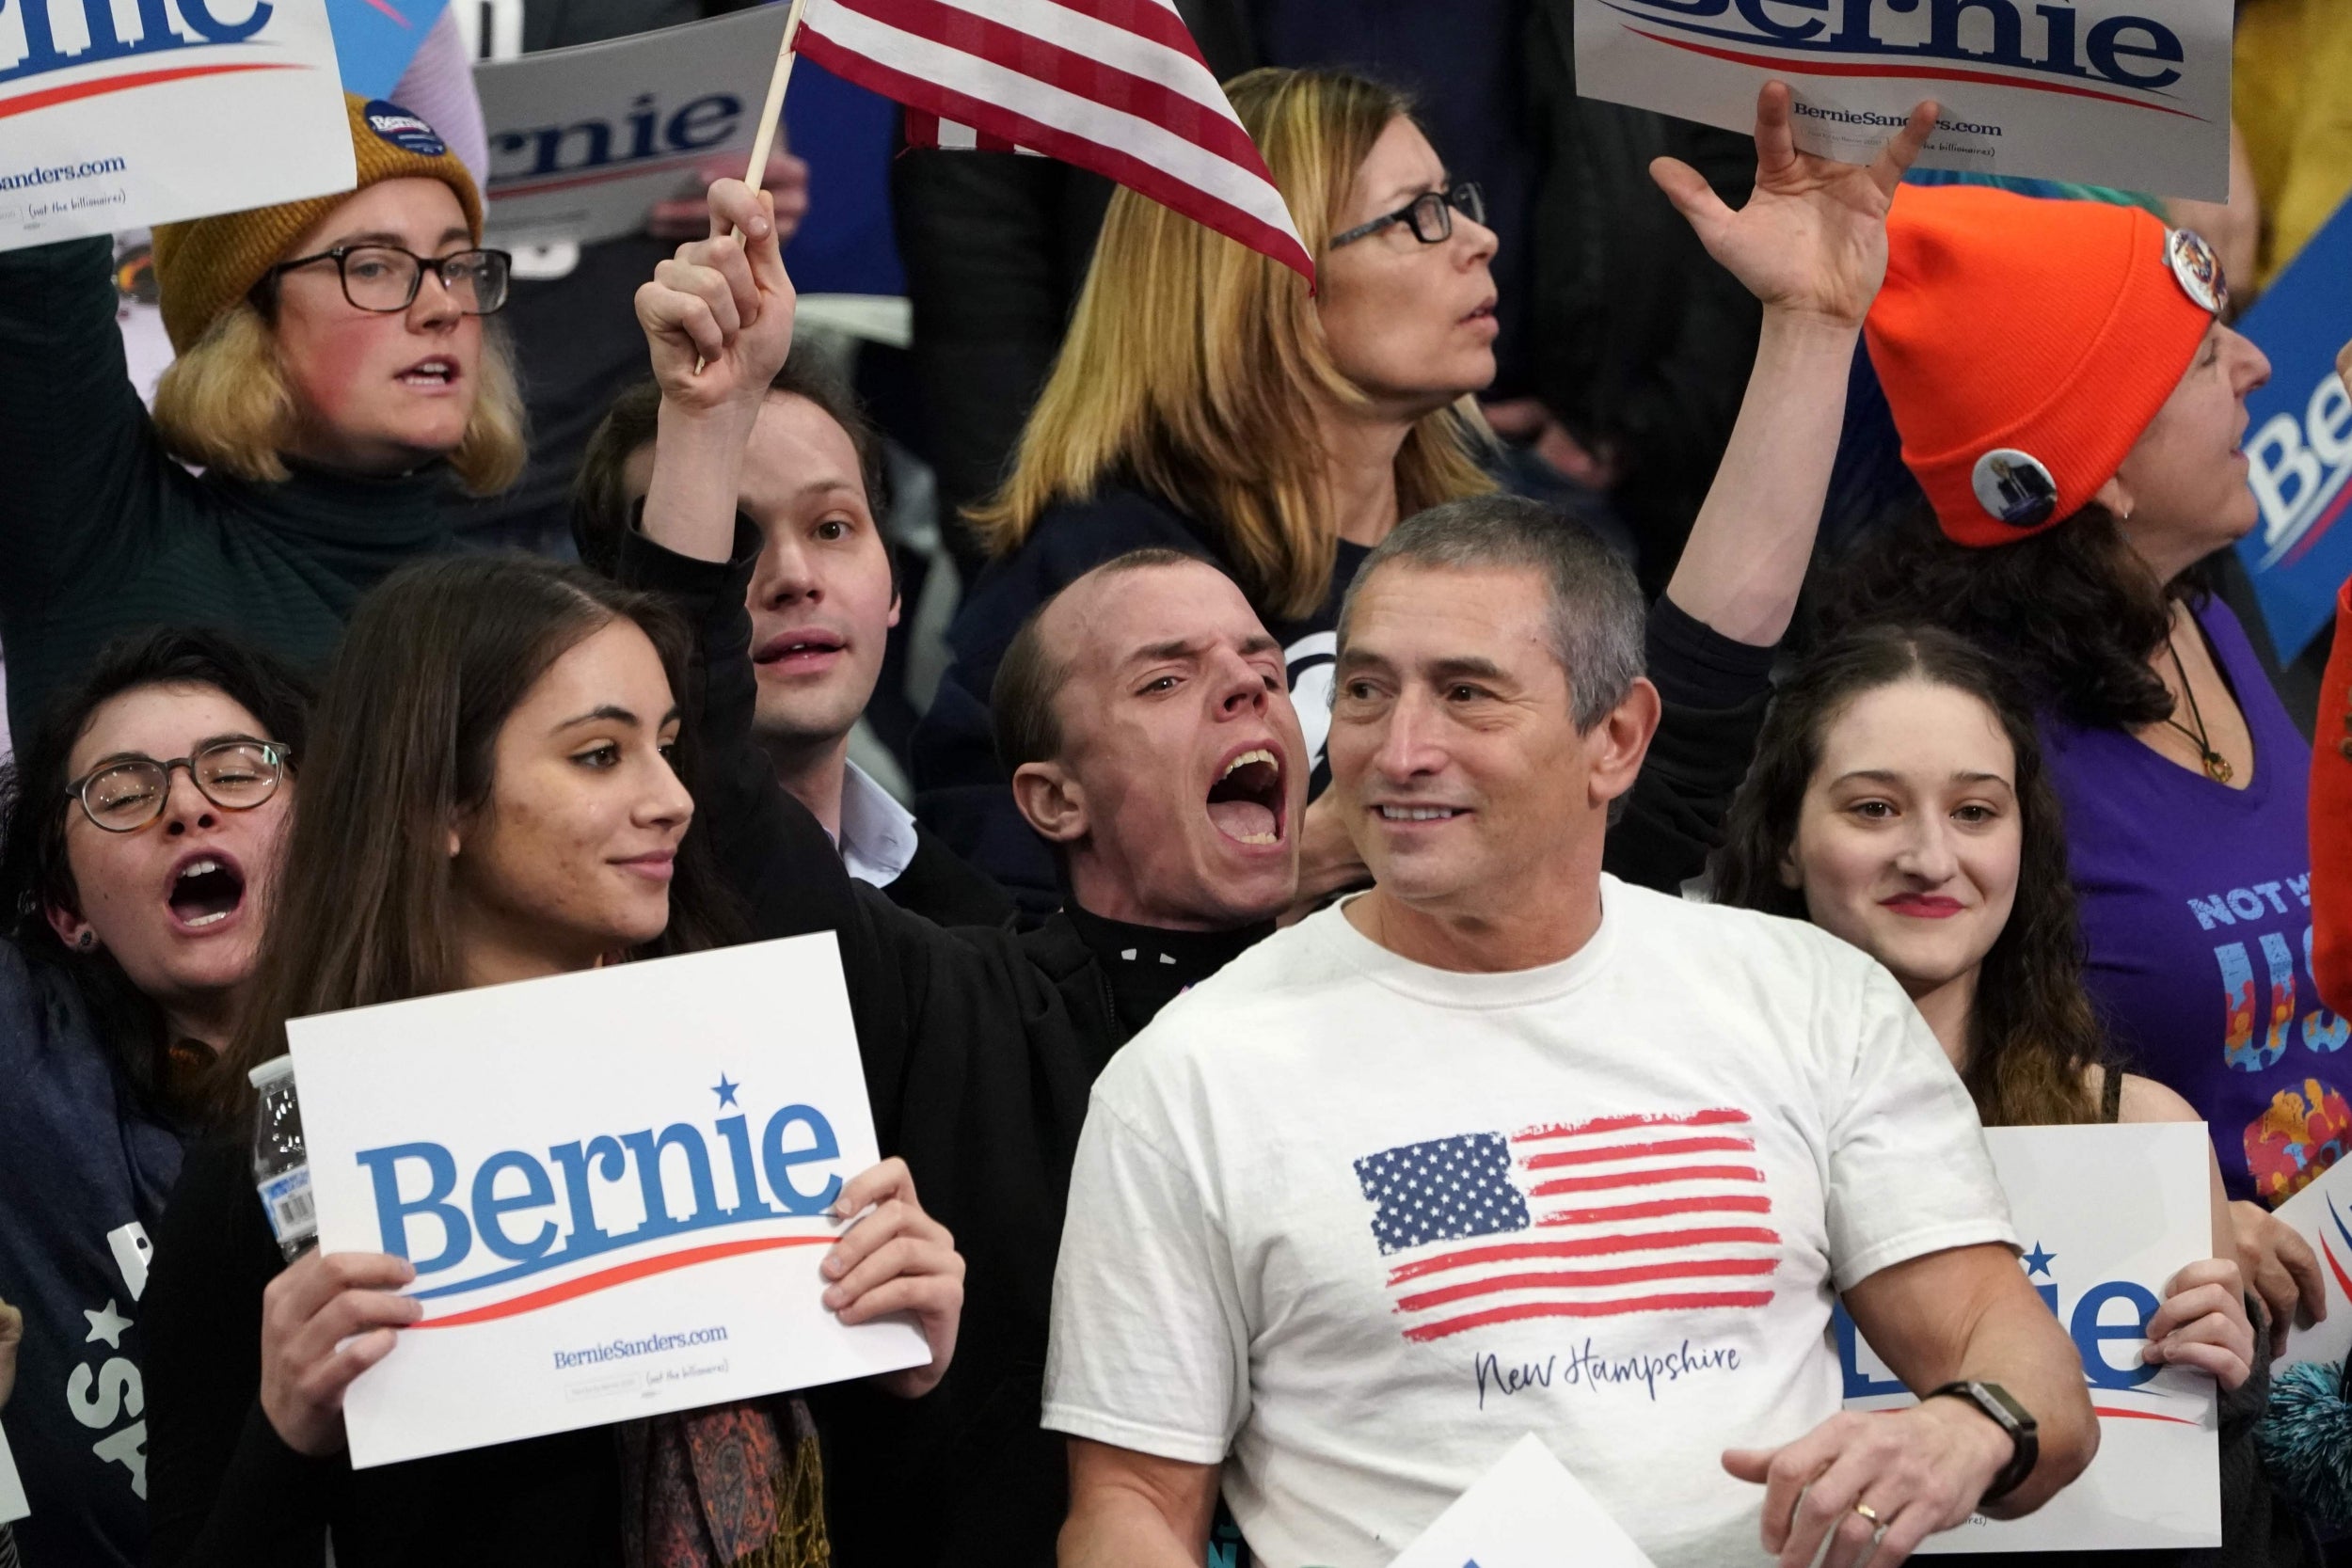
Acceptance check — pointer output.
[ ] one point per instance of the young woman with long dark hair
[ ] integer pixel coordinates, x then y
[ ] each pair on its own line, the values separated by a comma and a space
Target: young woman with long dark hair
140, 828
498, 793
2072, 410
1899, 801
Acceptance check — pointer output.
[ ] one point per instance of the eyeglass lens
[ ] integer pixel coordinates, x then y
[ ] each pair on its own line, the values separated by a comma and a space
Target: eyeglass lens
1432, 215
235, 776
377, 277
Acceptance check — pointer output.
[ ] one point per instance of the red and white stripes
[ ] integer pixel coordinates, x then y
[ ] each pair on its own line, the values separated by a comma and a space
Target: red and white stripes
1114, 86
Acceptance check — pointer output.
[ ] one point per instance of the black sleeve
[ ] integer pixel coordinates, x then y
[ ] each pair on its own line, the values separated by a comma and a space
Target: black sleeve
222, 1488
1712, 692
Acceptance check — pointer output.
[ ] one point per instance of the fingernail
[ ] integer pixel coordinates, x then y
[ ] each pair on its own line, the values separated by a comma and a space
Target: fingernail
833, 1266
834, 1297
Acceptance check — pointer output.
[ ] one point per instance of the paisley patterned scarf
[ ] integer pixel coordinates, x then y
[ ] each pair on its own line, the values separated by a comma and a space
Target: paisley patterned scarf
733, 1486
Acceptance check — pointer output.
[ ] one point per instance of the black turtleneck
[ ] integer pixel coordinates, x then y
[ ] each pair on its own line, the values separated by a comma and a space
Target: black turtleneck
104, 533
1149, 967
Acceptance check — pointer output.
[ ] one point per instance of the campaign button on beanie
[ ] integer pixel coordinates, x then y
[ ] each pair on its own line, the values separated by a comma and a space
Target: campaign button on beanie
206, 265
2024, 344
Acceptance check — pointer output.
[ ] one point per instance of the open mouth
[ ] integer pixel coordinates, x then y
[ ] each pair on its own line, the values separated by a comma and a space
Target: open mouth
807, 643
1245, 802
434, 374
206, 892
1485, 312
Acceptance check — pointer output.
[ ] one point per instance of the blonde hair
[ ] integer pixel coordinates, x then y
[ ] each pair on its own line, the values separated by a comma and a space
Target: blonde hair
224, 405
1191, 357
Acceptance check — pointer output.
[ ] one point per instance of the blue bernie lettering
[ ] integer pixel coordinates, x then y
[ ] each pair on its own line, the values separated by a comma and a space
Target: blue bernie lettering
489, 1209
781, 1161
2091, 1333
647, 1149
392, 1210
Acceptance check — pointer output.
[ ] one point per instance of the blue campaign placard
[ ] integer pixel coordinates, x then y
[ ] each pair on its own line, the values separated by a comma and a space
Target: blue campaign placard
2298, 440
374, 39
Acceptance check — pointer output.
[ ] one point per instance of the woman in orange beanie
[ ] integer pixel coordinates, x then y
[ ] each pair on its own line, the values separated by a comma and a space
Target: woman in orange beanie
333, 377
2072, 409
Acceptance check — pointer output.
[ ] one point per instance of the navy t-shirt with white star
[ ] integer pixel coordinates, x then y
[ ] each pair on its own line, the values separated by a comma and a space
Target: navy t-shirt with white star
83, 1178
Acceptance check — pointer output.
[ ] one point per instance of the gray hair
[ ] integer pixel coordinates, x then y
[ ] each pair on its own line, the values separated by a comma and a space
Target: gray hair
1597, 617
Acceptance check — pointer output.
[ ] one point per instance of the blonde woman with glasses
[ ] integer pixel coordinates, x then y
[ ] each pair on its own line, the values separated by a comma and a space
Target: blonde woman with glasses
333, 379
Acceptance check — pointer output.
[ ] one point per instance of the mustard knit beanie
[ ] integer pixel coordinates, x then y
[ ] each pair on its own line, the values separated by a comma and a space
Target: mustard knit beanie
205, 265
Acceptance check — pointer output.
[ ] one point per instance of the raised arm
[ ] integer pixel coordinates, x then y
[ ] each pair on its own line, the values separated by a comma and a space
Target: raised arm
1811, 245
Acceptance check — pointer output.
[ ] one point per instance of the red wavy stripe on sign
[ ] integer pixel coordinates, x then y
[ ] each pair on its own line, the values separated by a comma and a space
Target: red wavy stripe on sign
2326, 520
604, 1279
1925, 72
42, 99
2141, 1415
1692, 1302
2341, 1278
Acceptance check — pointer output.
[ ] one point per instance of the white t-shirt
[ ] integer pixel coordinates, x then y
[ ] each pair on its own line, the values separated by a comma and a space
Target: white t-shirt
1354, 1225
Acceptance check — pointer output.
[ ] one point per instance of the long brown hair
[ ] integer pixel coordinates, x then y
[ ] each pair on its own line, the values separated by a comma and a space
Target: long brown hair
402, 742
1190, 360
2032, 1035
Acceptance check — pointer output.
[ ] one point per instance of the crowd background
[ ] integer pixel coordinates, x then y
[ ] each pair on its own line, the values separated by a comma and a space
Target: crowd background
909, 516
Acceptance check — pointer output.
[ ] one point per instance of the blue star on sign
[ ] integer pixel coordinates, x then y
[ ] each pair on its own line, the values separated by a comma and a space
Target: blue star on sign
2037, 1261
724, 1090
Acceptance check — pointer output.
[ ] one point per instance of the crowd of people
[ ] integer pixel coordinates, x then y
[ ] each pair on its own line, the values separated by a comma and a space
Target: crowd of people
1316, 837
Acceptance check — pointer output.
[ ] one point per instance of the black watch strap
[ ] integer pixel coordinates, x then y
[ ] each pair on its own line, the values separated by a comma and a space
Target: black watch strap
2003, 1411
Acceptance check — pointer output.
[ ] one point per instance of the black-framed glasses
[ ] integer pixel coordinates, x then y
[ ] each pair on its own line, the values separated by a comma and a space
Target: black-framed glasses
128, 793
385, 279
1430, 215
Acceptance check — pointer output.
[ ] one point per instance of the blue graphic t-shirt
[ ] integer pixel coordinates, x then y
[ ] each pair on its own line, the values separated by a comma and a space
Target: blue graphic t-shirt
2196, 904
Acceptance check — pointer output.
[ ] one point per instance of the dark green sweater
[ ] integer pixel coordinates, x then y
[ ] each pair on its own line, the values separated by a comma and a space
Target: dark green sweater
101, 532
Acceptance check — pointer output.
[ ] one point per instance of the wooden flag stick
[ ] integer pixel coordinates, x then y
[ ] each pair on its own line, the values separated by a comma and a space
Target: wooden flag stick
773, 112
768, 118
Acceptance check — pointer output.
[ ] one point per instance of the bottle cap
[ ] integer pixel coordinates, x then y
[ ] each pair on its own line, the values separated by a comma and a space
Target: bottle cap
270, 1072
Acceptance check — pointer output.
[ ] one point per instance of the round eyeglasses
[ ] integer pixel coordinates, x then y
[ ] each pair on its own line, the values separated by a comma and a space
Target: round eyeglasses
385, 279
1430, 215
128, 793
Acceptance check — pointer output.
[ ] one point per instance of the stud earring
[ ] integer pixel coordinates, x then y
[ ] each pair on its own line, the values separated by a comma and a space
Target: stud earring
86, 941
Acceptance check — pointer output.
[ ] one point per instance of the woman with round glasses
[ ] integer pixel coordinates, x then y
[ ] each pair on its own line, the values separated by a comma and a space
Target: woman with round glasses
333, 379
139, 835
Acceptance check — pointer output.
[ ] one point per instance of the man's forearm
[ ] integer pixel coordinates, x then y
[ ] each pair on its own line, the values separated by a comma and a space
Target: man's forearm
1747, 554
2013, 1347
697, 461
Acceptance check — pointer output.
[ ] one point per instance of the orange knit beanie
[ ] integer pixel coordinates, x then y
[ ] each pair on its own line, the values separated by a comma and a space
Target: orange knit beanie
2025, 345
206, 265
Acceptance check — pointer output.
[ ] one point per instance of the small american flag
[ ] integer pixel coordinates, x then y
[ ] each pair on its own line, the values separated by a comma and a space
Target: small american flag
1113, 85
1589, 1219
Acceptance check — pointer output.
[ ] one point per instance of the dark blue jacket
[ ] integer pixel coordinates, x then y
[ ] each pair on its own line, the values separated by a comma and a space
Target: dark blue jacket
83, 1176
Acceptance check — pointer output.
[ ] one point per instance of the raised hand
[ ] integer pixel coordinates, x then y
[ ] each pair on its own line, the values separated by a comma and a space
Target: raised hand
1812, 240
718, 315
2282, 1270
897, 1258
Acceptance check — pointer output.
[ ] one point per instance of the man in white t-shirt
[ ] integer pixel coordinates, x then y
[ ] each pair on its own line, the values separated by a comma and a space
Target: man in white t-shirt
1505, 1145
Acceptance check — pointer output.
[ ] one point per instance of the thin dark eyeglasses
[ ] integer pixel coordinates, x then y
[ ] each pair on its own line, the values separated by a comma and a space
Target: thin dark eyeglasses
388, 277
128, 793
1429, 216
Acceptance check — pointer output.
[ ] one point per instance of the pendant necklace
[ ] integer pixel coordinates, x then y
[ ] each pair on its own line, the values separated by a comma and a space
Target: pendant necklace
2216, 766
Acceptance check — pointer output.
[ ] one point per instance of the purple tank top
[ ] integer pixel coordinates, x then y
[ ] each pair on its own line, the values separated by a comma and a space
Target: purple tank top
2196, 905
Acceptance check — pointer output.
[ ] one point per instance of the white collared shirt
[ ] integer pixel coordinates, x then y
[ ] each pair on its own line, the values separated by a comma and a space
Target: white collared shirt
877, 838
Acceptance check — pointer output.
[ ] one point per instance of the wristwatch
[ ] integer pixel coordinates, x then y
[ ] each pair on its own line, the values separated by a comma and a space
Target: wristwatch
2006, 1413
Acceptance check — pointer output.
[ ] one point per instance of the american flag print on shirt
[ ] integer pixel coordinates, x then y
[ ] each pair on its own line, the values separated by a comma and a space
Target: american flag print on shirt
1590, 1219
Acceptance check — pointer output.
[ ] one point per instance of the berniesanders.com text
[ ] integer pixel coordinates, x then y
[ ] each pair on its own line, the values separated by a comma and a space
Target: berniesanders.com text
652, 1344
1868, 117
60, 174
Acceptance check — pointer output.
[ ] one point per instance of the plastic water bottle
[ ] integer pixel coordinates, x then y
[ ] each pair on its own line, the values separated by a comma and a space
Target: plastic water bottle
281, 1166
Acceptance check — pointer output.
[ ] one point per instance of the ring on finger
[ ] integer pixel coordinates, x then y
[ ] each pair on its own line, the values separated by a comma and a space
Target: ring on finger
1876, 1525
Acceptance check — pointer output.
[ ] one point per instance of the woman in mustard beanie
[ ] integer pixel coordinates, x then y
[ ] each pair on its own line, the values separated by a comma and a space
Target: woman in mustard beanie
2073, 409
333, 378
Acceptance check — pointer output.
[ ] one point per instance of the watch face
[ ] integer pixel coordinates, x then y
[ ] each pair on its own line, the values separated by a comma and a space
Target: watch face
1993, 1394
